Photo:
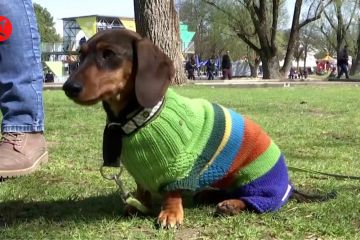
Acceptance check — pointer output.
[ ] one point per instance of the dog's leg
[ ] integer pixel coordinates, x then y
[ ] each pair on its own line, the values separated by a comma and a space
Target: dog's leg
230, 207
143, 196
172, 213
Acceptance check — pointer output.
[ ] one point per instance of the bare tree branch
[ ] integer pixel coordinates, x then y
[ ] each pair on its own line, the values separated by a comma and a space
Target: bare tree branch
239, 29
319, 10
351, 16
327, 36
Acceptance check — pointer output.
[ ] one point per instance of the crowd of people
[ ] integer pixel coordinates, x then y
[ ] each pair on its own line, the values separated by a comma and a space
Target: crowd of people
211, 68
222, 69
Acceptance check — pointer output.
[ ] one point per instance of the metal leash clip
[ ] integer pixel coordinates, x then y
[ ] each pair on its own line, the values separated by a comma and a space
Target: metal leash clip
125, 195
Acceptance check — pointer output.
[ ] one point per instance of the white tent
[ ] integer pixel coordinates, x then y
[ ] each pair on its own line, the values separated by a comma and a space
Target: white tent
241, 68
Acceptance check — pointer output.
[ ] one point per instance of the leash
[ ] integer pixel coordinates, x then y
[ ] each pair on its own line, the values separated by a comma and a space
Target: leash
296, 169
125, 195
129, 199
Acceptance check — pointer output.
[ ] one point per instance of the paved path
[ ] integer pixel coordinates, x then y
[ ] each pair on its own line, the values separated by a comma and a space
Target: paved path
248, 82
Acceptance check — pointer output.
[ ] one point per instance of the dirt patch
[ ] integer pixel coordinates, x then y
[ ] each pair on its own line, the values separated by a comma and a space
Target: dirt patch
188, 234
318, 112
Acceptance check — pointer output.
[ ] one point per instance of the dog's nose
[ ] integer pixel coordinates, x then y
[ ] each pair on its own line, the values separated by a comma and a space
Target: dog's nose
72, 88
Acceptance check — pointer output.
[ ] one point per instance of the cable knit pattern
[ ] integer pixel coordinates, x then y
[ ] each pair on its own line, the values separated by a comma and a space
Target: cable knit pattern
193, 144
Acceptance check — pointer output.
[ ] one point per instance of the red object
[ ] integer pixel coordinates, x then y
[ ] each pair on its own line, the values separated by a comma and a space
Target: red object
5, 28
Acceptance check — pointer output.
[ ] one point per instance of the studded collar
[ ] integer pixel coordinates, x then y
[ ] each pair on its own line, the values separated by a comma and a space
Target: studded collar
136, 119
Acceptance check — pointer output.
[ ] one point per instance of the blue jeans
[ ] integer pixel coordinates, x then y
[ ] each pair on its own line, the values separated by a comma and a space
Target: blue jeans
343, 69
21, 74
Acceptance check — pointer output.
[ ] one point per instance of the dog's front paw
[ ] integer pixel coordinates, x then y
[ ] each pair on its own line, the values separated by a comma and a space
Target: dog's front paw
172, 213
230, 207
170, 218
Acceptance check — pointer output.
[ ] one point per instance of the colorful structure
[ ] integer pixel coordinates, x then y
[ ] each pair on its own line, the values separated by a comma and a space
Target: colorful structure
61, 58
186, 39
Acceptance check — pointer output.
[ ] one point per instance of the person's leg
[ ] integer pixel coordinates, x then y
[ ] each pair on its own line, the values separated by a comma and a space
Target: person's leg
22, 147
209, 75
346, 71
230, 73
340, 71
226, 74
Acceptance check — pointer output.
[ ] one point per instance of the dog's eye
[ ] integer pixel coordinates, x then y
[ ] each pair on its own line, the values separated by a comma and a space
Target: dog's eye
107, 54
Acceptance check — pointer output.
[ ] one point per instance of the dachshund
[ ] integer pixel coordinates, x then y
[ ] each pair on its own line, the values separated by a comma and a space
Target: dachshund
171, 144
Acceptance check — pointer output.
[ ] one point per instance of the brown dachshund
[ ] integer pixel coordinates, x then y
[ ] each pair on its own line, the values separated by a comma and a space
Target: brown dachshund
170, 143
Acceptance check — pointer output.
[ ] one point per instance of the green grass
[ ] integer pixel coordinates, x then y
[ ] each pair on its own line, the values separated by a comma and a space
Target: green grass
317, 128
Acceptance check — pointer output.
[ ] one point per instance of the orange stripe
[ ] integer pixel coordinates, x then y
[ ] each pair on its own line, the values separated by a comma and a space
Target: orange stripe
255, 142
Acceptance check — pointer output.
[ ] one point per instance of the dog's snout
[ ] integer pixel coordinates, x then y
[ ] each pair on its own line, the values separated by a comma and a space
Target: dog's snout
72, 88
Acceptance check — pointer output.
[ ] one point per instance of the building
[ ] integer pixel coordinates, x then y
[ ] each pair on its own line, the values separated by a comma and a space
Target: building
62, 58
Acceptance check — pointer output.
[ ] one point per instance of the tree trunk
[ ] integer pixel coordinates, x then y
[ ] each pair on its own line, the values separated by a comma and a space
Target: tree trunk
271, 67
305, 54
355, 65
294, 35
158, 21
254, 67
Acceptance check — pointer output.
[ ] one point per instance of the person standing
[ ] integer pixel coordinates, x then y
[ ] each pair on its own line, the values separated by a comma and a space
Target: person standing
22, 145
210, 68
226, 66
343, 62
190, 68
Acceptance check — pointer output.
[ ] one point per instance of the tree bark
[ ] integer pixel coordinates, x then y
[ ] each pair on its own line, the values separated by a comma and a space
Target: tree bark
158, 21
294, 35
254, 67
355, 66
270, 65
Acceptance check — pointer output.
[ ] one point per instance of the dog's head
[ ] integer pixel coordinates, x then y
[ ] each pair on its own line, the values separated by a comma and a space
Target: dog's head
119, 65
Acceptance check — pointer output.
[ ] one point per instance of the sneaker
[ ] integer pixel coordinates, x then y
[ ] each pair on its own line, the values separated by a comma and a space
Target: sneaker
21, 153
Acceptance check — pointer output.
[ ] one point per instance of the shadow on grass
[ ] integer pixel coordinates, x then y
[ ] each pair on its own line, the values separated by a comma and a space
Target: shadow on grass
108, 207
85, 210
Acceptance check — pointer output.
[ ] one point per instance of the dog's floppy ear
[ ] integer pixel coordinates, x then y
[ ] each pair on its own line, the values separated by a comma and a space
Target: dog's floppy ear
154, 72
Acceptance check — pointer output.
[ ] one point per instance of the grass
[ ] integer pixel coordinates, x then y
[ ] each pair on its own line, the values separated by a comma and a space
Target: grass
316, 127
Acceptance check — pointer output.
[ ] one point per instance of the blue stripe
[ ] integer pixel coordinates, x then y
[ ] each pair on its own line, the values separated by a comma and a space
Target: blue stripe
191, 182
223, 161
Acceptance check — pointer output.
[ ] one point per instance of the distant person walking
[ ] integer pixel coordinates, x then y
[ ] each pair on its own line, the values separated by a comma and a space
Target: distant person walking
190, 67
226, 66
210, 68
343, 62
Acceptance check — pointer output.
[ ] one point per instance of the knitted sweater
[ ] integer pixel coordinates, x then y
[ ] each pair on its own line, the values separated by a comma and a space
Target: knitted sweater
193, 143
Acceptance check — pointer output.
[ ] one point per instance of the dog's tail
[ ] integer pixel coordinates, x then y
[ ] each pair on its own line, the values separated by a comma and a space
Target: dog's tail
305, 197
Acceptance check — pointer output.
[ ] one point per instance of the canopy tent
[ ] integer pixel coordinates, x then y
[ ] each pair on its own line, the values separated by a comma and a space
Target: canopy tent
325, 64
56, 67
327, 58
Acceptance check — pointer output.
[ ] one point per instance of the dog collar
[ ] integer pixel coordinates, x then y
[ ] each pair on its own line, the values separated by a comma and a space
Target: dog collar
137, 119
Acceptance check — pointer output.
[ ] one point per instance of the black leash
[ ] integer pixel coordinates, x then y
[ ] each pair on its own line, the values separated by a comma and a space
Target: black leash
296, 169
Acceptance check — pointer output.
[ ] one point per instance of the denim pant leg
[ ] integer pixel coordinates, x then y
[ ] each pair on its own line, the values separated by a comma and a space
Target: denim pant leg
21, 73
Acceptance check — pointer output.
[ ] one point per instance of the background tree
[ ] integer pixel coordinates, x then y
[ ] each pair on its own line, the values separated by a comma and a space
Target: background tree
262, 24
344, 12
46, 25
313, 13
195, 13
213, 37
158, 21
355, 67
307, 39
